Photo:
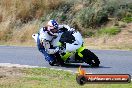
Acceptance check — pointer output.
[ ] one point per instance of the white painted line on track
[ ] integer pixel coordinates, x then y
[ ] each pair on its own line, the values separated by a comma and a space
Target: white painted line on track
17, 65
28, 66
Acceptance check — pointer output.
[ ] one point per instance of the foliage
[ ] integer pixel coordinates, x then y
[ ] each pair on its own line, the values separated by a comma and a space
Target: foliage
127, 19
109, 31
17, 15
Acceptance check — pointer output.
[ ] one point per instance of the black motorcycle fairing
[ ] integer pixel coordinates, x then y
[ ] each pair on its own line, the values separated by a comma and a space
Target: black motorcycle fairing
67, 37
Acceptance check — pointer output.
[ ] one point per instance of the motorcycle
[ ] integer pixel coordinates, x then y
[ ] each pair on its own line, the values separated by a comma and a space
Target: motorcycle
72, 49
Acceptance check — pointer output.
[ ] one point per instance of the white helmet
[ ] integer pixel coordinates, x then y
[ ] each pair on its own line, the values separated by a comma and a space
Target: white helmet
53, 27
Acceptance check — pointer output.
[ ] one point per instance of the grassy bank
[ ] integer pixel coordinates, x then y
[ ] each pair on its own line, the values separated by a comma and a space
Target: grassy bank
45, 78
19, 19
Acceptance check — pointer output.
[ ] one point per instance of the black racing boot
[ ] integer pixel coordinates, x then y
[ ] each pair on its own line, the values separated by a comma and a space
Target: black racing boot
59, 61
52, 63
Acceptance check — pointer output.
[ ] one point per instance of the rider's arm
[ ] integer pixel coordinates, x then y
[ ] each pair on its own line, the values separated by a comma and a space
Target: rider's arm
45, 40
48, 48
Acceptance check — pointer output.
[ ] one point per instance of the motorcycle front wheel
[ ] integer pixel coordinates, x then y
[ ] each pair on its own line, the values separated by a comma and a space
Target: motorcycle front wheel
90, 58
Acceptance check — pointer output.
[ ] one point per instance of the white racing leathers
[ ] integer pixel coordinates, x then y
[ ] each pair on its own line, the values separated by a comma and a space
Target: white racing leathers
46, 39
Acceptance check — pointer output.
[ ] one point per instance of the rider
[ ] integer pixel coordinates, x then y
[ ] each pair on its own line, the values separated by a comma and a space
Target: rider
46, 35
50, 32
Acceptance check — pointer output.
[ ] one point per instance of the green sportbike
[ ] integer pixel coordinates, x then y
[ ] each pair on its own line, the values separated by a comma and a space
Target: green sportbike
72, 49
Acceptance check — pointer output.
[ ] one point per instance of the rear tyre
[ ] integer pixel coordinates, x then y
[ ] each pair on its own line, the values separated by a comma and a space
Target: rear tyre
90, 58
58, 59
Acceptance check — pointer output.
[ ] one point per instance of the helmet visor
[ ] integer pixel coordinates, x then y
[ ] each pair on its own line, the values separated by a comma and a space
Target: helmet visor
54, 30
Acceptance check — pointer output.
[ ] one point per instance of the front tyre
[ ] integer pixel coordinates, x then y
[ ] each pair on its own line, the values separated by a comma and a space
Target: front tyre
90, 58
94, 62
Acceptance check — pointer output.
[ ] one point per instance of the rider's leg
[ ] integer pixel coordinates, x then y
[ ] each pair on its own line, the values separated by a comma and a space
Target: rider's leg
48, 57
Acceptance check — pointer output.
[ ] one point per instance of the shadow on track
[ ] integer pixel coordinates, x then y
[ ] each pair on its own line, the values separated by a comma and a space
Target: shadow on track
83, 66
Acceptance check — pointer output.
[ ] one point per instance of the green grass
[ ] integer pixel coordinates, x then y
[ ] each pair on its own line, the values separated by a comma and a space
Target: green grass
46, 78
109, 31
127, 19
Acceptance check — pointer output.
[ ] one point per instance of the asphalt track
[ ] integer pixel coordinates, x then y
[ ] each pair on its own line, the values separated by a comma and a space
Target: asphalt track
112, 61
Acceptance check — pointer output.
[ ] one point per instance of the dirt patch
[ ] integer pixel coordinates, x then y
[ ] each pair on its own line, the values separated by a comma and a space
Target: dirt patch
6, 72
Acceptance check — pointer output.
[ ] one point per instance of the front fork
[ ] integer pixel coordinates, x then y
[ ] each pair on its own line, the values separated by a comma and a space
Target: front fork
80, 50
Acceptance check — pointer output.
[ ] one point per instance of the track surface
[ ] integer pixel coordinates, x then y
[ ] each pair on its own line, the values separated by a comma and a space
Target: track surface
112, 61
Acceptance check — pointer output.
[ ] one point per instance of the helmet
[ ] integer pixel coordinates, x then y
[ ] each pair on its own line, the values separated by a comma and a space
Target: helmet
53, 23
52, 27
